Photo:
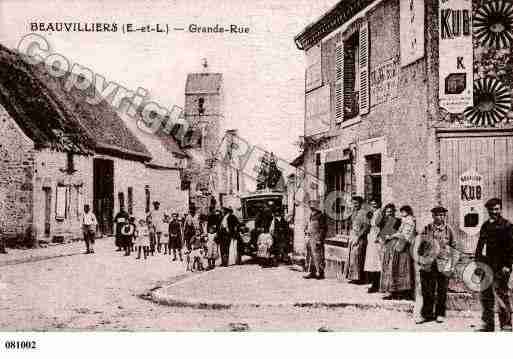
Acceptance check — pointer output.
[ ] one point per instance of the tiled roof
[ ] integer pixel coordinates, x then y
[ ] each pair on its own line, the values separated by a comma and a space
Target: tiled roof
54, 117
101, 121
36, 110
163, 148
298, 161
329, 21
203, 83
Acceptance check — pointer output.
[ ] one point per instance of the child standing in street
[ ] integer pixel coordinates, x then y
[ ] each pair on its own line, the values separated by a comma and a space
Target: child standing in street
212, 253
175, 236
197, 251
127, 235
142, 242
164, 240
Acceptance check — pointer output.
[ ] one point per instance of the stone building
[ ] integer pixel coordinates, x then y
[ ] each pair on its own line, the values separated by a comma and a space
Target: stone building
204, 111
60, 152
408, 101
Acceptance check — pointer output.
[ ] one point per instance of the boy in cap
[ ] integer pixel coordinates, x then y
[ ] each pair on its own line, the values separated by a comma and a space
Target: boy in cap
315, 231
495, 249
437, 255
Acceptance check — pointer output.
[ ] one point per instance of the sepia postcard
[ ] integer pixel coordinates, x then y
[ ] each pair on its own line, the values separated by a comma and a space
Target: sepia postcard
255, 166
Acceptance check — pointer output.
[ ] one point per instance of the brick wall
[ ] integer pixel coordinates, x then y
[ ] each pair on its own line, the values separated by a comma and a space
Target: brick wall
16, 177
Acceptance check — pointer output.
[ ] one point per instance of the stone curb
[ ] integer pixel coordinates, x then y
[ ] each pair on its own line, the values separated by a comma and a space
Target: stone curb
457, 302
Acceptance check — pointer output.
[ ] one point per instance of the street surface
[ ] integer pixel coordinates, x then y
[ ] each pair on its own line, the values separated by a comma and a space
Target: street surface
107, 291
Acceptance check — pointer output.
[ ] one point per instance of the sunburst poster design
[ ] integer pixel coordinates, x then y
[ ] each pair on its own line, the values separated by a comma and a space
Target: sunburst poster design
492, 101
493, 24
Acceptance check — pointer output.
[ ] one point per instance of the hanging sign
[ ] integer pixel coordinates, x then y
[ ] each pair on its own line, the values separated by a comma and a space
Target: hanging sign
455, 55
471, 202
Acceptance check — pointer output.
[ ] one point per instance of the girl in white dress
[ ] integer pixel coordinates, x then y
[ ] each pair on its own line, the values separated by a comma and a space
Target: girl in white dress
142, 242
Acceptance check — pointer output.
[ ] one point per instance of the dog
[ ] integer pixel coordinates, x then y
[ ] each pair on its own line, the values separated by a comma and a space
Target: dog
194, 260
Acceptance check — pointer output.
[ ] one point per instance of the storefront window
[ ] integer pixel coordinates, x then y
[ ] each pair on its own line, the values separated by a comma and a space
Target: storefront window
338, 178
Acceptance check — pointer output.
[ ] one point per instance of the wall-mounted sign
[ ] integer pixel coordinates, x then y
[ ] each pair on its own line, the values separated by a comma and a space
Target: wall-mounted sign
412, 30
313, 68
456, 55
383, 82
317, 111
471, 202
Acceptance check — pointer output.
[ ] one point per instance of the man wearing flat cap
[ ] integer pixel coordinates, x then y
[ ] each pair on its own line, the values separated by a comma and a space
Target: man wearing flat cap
437, 255
495, 249
315, 231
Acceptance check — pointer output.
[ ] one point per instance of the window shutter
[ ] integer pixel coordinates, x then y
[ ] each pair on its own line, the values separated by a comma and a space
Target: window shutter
364, 68
339, 81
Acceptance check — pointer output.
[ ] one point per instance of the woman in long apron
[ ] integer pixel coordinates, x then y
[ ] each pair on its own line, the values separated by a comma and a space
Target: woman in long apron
398, 274
358, 242
374, 249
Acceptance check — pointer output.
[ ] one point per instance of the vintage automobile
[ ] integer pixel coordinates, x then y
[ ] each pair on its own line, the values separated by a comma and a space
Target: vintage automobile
251, 204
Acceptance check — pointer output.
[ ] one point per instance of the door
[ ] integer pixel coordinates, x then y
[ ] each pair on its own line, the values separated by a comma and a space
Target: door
48, 210
103, 194
491, 156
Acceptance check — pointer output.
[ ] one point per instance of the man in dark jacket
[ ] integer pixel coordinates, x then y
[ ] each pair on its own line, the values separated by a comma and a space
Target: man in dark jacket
175, 236
228, 229
121, 219
496, 238
280, 233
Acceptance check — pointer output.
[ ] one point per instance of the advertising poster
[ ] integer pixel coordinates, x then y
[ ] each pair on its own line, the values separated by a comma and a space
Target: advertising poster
471, 202
455, 55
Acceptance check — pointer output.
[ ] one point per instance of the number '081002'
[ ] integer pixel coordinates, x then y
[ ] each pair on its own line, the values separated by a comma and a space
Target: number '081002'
20, 345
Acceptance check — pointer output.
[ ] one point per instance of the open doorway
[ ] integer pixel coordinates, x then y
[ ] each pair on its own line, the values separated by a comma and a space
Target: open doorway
103, 194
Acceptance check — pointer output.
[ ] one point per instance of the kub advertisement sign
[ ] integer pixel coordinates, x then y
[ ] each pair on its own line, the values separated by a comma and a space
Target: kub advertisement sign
456, 55
471, 202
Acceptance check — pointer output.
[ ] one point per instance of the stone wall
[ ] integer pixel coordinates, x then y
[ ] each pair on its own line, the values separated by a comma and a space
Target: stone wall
16, 177
50, 173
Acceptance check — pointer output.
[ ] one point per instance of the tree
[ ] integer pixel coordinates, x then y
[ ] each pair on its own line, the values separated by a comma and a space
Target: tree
269, 175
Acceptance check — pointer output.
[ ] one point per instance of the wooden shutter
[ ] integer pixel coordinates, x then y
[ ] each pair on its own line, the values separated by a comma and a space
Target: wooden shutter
364, 68
339, 81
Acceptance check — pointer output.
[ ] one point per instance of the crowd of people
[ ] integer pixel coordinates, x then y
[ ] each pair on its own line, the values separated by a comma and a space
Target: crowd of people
199, 240
385, 250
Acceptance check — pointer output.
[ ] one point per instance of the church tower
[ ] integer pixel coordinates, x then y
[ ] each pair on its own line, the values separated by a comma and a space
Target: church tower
204, 106
204, 111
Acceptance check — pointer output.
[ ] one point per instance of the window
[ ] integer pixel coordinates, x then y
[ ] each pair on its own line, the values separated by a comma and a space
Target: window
351, 77
338, 178
201, 106
61, 200
352, 74
372, 180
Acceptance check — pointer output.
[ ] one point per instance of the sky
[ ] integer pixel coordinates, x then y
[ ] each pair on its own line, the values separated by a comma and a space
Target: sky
263, 71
